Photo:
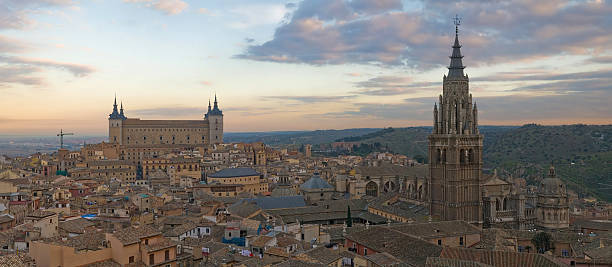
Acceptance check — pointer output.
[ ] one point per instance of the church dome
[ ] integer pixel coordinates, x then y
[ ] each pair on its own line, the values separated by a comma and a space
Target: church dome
315, 182
552, 185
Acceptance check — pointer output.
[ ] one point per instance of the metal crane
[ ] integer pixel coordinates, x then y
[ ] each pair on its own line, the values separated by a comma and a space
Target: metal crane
61, 135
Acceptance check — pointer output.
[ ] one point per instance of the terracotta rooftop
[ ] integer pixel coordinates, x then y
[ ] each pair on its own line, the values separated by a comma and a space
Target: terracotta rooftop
131, 235
499, 258
41, 214
16, 260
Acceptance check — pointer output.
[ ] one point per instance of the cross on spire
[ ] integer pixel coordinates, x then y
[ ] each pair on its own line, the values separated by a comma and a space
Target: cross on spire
457, 22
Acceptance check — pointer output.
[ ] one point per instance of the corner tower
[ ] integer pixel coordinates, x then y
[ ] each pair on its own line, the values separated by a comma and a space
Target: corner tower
215, 123
115, 124
455, 147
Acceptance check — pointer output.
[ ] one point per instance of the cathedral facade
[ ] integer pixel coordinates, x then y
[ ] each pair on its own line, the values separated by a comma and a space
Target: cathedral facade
455, 149
133, 131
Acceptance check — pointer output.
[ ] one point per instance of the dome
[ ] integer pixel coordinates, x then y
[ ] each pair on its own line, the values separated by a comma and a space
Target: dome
552, 184
315, 182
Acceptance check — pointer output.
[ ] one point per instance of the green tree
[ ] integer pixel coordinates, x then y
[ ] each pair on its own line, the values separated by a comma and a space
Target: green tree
349, 220
542, 242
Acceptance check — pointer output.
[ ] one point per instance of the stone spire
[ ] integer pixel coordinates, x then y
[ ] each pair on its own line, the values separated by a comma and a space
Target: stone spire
208, 104
215, 110
115, 114
121, 112
455, 70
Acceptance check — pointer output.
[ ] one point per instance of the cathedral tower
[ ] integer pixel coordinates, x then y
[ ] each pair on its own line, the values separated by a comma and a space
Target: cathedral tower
215, 123
115, 122
455, 148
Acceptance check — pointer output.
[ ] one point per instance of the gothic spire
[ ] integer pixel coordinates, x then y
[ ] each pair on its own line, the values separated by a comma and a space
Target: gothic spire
208, 104
456, 65
115, 104
216, 107
121, 111
115, 114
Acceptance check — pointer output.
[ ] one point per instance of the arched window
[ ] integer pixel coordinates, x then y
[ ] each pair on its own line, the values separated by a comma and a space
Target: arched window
462, 156
497, 204
505, 204
372, 189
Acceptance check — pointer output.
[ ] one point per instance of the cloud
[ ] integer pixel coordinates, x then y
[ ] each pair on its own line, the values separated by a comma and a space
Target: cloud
374, 32
19, 75
14, 13
375, 7
77, 70
169, 7
9, 45
206, 83
252, 15
391, 85
310, 99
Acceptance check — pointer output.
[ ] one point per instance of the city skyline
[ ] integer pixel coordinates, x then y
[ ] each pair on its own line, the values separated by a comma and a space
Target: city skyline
298, 65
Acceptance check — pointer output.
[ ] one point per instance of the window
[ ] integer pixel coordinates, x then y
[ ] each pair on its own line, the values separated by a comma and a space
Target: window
146, 241
439, 242
461, 241
167, 255
131, 259
365, 251
565, 253
151, 259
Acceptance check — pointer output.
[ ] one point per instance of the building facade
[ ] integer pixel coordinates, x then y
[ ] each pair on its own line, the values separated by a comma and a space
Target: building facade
133, 131
455, 149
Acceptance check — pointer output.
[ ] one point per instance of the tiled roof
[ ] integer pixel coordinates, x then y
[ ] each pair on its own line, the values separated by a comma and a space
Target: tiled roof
284, 202
401, 246
443, 262
234, 172
6, 218
323, 255
296, 263
131, 235
276, 251
261, 241
41, 213
180, 229
76, 225
436, 229
499, 258
16, 260
160, 244
383, 259
91, 241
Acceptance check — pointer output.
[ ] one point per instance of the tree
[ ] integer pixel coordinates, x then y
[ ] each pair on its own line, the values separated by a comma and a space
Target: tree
349, 220
542, 242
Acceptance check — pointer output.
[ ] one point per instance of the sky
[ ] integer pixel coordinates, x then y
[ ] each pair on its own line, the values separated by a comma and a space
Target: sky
299, 65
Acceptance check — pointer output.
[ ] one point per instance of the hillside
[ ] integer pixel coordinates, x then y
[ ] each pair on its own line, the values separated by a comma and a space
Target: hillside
296, 137
581, 153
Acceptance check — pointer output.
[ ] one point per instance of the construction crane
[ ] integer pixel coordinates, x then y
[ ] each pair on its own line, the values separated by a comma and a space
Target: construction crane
61, 135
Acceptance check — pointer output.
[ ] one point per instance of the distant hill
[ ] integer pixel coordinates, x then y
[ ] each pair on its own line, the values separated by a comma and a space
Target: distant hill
296, 137
581, 153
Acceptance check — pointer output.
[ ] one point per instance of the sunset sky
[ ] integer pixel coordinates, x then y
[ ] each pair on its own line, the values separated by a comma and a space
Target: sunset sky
299, 65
